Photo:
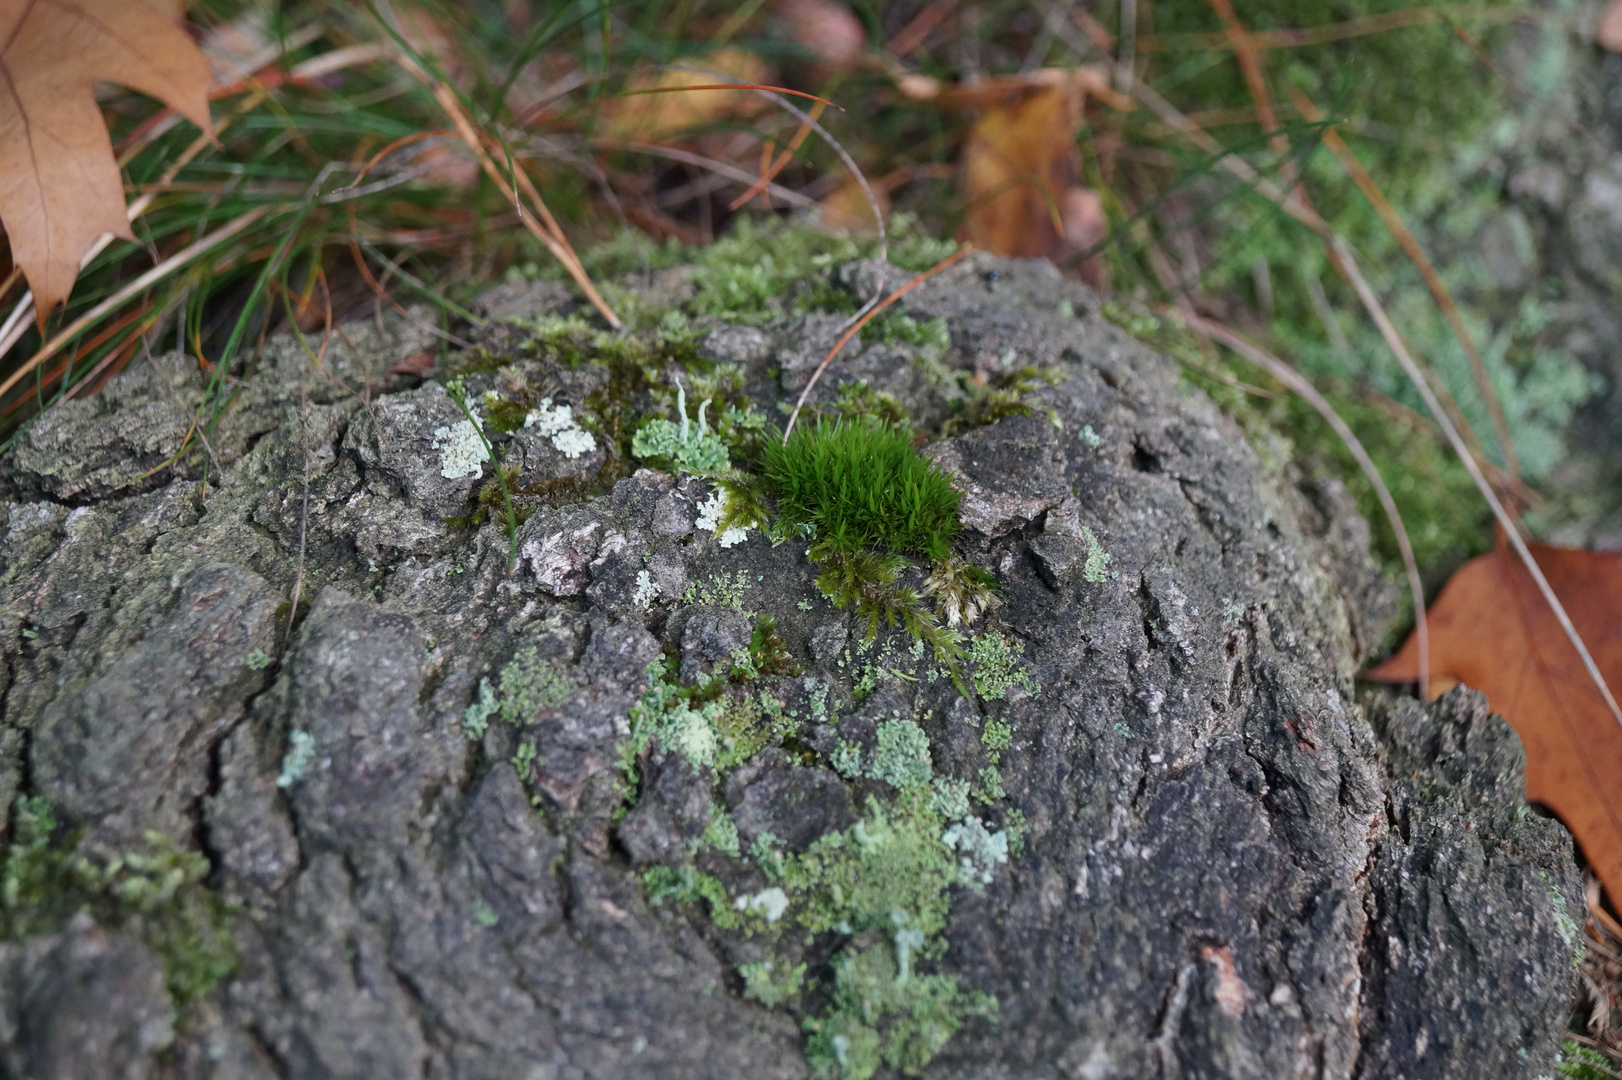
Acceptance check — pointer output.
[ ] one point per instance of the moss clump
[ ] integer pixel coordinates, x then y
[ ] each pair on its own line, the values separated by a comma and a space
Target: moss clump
868, 580
157, 895
862, 486
684, 885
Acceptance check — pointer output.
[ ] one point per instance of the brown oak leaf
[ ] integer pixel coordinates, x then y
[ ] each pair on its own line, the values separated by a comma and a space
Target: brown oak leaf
1491, 630
60, 187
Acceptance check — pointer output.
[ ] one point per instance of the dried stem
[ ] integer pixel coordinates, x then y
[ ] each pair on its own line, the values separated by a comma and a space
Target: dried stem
1298, 383
856, 327
1394, 341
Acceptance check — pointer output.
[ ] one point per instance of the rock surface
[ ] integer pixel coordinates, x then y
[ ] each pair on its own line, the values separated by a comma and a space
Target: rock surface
1190, 850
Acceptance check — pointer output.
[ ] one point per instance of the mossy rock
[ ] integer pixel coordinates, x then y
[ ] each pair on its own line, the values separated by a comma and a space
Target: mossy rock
624, 793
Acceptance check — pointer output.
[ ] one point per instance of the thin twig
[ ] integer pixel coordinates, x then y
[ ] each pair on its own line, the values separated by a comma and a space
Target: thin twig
722, 168
1394, 341
1298, 383
856, 327
304, 513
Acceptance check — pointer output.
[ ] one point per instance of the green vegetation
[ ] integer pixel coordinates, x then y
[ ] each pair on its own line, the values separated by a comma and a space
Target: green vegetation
886, 877
862, 486
684, 885
681, 446
157, 896
528, 687
1580, 1063
996, 668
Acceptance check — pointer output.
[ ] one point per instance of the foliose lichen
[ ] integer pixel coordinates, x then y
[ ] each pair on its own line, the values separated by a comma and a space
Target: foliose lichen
461, 449
558, 422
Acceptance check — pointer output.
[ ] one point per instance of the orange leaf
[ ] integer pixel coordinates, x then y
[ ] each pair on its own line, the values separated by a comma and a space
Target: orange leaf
1608, 27
1491, 629
60, 187
1021, 164
653, 117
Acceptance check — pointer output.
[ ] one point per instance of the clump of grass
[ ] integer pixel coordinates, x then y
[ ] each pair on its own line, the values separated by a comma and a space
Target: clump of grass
862, 486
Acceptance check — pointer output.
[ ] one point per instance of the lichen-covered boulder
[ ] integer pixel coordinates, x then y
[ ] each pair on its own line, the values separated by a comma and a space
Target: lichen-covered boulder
384, 790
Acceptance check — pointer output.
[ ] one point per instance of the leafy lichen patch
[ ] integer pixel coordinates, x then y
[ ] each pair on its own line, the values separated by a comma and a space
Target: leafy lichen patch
997, 670
462, 452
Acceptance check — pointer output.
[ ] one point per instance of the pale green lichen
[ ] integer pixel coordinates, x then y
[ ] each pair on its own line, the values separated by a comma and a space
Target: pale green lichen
686, 884
722, 833
296, 762
1096, 566
684, 446
762, 982
996, 670
528, 687
998, 736
950, 798
981, 850
257, 660
665, 713
847, 759
720, 591
901, 757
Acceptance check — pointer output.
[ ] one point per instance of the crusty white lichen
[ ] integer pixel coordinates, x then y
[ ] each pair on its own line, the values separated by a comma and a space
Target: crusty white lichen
769, 903
461, 448
568, 437
300, 752
709, 516
647, 589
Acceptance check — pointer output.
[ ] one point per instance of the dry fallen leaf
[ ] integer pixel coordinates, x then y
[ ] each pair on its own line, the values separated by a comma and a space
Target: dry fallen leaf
1608, 27
1491, 630
60, 187
1021, 164
657, 116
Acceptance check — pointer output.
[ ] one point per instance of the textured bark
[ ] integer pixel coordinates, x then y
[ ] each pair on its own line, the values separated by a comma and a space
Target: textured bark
1230, 868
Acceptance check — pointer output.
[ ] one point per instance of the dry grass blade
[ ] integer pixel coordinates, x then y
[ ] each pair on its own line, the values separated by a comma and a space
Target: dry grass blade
1250, 65
856, 328
539, 222
1298, 383
1433, 281
1393, 340
721, 168
769, 173
174, 262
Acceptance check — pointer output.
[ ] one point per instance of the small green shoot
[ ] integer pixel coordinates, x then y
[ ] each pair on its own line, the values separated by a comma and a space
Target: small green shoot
864, 487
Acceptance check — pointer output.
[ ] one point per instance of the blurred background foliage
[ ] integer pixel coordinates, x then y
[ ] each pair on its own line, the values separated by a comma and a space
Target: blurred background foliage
1011, 123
